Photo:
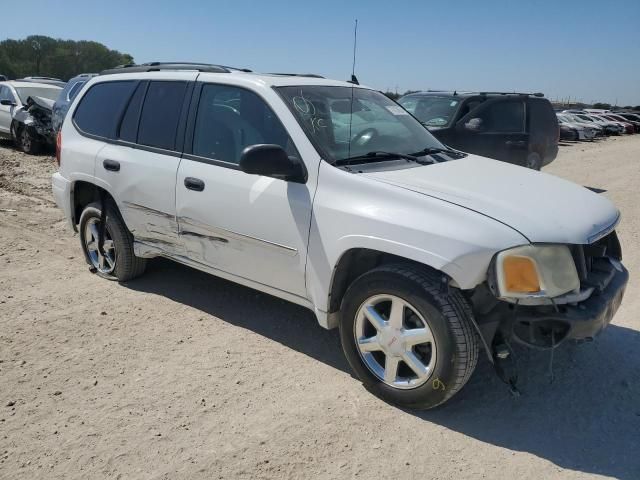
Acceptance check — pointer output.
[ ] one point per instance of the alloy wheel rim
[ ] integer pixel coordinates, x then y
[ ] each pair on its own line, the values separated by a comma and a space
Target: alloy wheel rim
26, 140
395, 342
103, 263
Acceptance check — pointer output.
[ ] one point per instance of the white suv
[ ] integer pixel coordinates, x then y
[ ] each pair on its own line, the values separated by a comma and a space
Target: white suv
332, 196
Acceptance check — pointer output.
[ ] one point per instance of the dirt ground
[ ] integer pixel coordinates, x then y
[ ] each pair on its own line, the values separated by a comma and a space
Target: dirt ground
183, 375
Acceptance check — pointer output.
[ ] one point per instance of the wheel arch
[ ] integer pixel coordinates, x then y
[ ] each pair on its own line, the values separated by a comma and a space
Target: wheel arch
354, 262
82, 194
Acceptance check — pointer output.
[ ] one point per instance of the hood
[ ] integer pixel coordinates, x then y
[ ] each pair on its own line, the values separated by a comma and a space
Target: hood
542, 207
41, 102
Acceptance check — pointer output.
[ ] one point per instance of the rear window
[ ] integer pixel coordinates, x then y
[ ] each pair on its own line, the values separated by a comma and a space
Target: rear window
74, 90
161, 114
102, 107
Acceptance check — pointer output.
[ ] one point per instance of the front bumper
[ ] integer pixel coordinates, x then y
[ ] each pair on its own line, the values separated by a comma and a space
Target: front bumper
549, 326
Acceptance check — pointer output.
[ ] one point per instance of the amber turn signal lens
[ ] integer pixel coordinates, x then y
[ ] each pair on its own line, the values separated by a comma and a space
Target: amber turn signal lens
520, 275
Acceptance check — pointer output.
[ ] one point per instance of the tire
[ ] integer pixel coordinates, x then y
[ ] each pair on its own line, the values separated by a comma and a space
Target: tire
452, 354
119, 262
27, 142
534, 162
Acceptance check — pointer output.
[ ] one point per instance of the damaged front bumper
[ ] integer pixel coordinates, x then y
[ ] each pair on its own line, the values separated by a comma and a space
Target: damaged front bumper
578, 315
548, 326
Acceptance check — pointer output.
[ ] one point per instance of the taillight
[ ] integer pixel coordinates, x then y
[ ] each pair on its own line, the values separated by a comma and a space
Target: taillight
58, 146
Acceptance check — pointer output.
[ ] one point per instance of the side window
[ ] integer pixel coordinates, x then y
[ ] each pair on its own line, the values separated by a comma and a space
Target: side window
503, 117
161, 114
75, 88
230, 119
129, 125
5, 94
102, 106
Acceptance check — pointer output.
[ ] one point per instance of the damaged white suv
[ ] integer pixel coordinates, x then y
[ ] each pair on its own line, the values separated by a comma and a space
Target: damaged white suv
330, 195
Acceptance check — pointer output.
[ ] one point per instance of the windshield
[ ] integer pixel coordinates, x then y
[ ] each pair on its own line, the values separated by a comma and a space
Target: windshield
44, 92
432, 111
344, 122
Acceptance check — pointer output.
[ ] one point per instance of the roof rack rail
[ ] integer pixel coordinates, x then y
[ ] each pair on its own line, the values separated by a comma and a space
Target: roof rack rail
311, 75
537, 94
158, 66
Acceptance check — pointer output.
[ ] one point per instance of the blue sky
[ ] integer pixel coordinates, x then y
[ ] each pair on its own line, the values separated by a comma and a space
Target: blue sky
589, 50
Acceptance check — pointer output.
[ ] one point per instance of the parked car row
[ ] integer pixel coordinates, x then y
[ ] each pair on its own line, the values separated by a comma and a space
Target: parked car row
32, 109
588, 124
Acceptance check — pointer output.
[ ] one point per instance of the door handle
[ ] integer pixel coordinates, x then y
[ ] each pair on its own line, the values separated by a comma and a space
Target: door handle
194, 184
515, 143
111, 165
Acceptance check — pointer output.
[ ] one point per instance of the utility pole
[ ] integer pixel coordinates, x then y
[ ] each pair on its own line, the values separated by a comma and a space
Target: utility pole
37, 48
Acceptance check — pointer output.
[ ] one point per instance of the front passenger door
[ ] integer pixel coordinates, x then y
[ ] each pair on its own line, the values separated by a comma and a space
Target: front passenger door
249, 226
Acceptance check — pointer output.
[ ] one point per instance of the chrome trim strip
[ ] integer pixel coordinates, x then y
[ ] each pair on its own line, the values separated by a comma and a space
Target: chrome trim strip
605, 231
218, 233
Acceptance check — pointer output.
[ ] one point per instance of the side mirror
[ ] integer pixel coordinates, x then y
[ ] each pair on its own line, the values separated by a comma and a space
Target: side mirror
272, 161
7, 103
474, 125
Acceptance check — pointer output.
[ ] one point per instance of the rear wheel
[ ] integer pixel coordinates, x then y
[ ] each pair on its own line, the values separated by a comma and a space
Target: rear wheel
534, 161
409, 343
116, 261
28, 143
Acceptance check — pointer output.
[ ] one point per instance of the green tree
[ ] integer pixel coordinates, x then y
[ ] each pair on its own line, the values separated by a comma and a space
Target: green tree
45, 56
604, 106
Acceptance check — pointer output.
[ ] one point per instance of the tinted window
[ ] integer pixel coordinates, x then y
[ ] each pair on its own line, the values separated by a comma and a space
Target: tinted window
102, 106
74, 90
503, 117
5, 94
542, 119
129, 125
161, 114
230, 119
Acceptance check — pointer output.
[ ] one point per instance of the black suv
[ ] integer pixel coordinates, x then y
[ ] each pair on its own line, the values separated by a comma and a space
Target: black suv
517, 128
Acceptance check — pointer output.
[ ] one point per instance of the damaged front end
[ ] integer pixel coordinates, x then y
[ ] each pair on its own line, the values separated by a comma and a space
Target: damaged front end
578, 315
35, 117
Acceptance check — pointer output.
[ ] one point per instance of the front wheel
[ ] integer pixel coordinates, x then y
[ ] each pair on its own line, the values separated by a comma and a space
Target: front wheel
408, 341
116, 261
28, 143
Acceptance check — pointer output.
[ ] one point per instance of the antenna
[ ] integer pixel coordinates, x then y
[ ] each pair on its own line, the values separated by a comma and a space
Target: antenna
354, 79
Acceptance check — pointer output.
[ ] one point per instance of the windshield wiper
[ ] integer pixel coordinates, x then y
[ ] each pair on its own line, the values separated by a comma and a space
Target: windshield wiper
374, 157
432, 150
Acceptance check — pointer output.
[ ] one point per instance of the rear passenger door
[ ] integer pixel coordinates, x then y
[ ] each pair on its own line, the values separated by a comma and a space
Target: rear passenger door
140, 162
496, 129
249, 226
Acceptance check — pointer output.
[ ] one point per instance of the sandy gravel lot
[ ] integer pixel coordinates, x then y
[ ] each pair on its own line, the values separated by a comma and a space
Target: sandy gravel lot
183, 375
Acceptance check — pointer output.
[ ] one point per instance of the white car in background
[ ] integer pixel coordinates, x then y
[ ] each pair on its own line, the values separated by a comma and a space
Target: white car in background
581, 131
573, 118
420, 254
612, 128
28, 132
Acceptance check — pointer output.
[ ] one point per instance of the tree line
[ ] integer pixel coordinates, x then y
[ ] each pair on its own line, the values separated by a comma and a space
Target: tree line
38, 55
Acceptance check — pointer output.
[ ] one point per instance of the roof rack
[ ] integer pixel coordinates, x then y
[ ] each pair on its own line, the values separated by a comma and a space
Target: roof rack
158, 66
310, 75
537, 94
